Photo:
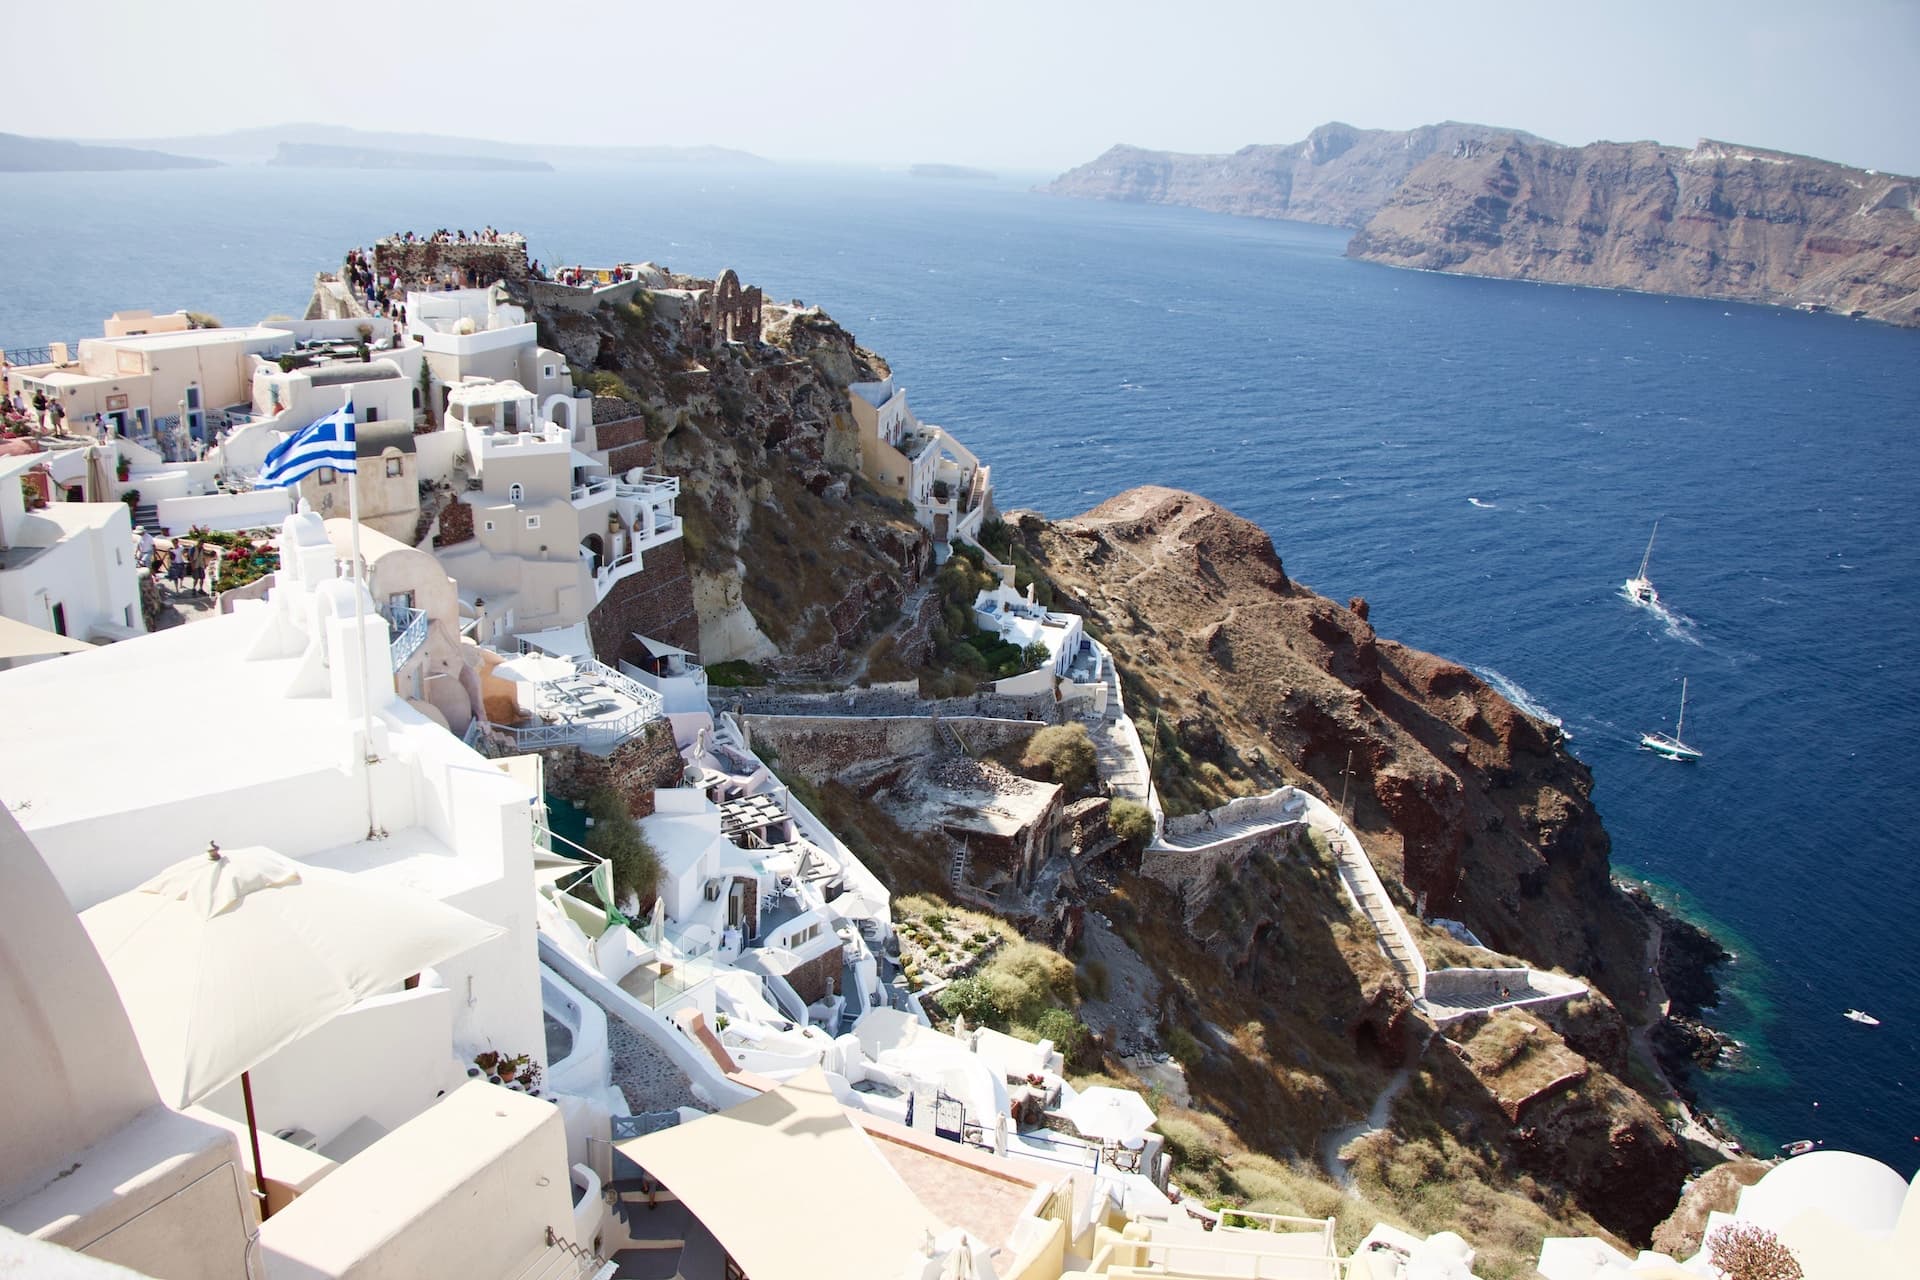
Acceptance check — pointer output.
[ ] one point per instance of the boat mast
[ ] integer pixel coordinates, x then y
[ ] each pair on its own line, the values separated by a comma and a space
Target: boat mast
1681, 723
1648, 557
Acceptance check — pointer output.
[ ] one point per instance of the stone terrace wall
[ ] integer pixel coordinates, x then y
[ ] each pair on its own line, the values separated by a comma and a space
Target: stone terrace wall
821, 747
657, 602
482, 263
880, 701
1191, 873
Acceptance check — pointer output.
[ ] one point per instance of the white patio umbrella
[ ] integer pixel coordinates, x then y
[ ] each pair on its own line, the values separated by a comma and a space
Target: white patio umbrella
224, 959
1109, 1115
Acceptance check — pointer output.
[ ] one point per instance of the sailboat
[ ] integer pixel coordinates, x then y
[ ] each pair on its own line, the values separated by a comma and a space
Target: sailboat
1671, 746
1639, 587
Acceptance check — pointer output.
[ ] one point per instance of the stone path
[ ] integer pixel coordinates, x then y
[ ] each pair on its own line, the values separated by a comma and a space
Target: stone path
1120, 758
643, 1072
1223, 831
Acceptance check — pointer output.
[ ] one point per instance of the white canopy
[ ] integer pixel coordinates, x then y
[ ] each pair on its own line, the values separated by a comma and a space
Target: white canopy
223, 959
829, 1205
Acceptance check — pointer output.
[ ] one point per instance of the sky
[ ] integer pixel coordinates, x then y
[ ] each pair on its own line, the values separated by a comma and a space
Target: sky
1028, 85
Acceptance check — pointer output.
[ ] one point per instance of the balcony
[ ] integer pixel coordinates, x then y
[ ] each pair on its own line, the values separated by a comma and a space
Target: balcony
594, 491
406, 632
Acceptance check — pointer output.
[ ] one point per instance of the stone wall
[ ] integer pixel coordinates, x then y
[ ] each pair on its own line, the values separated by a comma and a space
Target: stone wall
637, 766
456, 524
1191, 873
822, 747
884, 701
819, 977
657, 601
475, 265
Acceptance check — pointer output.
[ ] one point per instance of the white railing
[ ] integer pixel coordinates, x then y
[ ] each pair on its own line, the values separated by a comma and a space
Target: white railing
593, 489
652, 485
410, 633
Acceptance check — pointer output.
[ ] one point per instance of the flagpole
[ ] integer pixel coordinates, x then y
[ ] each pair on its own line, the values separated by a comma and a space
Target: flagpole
361, 587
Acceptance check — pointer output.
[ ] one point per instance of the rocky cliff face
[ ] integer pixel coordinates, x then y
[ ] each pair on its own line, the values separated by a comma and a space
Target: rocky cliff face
1465, 804
1338, 175
1474, 806
792, 562
1717, 221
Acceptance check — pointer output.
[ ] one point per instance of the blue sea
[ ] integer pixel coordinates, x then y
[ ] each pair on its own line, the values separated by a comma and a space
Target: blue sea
1481, 460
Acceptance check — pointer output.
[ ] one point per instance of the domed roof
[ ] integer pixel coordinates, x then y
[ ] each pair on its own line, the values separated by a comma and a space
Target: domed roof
1852, 1189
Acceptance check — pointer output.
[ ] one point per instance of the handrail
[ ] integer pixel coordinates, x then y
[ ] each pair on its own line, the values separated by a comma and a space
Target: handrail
411, 635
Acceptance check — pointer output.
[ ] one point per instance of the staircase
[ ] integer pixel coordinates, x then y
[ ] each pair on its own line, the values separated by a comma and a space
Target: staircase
960, 863
950, 736
147, 516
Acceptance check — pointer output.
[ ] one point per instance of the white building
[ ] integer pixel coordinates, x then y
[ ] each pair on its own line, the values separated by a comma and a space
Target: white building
67, 567
553, 532
951, 491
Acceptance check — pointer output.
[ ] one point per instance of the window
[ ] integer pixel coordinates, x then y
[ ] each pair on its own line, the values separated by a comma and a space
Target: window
371, 414
127, 613
517, 493
546, 371
393, 466
489, 526
533, 522
326, 475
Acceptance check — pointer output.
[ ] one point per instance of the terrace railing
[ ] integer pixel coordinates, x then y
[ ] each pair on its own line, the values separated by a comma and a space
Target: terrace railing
409, 632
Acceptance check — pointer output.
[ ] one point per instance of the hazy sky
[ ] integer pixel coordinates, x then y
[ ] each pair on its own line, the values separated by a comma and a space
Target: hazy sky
1003, 83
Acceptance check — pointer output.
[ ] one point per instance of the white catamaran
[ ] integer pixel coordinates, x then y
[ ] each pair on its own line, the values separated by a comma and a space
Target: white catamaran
1671, 746
1639, 587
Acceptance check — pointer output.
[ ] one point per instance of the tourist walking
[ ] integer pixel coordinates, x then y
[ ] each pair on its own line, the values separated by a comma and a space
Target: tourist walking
39, 410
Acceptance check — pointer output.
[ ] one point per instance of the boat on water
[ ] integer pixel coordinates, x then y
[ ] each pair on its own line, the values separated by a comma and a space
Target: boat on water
1639, 587
1799, 1148
1671, 745
1863, 1018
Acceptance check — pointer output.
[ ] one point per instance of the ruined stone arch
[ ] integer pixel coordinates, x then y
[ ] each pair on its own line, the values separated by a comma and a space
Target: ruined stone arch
733, 311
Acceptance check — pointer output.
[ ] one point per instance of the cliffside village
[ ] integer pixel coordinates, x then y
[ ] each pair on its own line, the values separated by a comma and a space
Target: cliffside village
331, 985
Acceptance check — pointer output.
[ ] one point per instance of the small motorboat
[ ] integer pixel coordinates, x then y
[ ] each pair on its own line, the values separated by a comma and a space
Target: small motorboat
1863, 1018
1799, 1148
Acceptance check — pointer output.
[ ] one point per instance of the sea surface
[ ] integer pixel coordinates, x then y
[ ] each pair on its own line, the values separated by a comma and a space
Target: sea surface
1481, 460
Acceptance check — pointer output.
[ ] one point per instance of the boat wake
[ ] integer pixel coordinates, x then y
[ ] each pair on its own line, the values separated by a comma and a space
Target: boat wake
1678, 626
1515, 693
1484, 506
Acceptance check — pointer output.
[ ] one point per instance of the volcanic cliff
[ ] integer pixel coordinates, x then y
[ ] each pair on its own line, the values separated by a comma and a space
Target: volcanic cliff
1716, 221
1337, 174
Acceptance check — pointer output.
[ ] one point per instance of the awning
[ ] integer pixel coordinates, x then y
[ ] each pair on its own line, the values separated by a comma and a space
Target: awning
660, 648
20, 640
826, 1169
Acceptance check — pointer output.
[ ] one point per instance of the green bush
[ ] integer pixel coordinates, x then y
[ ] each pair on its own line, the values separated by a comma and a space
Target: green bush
1026, 978
1185, 1049
602, 383
970, 998
1069, 1035
636, 867
1065, 752
1094, 980
734, 673
1131, 822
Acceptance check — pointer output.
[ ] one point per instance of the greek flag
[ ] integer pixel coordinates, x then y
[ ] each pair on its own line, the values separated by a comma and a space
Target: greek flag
327, 443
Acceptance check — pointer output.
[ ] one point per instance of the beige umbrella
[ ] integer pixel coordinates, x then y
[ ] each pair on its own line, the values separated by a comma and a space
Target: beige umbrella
22, 640
223, 960
1108, 1114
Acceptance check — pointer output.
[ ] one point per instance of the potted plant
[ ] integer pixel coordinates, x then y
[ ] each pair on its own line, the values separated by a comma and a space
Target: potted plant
123, 468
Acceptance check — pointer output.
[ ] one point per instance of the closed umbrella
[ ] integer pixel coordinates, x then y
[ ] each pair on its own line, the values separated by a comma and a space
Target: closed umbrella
224, 959
1109, 1115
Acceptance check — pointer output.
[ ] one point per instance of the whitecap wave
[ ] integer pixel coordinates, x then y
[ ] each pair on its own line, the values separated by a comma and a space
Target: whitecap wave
1513, 691
1484, 506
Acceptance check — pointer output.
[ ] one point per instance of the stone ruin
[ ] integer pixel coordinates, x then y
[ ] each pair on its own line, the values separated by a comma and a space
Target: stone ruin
733, 312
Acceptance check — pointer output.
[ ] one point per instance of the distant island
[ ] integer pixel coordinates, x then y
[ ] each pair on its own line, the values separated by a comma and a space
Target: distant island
311, 155
1717, 220
19, 154
262, 146
954, 172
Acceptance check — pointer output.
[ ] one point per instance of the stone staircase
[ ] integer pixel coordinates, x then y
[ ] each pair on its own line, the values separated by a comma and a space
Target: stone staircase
958, 871
950, 738
1224, 831
147, 516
